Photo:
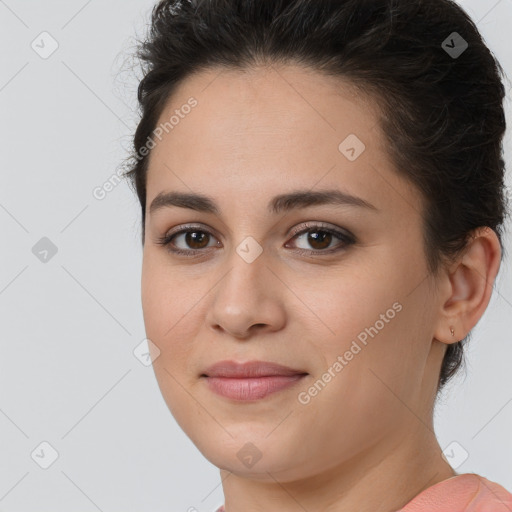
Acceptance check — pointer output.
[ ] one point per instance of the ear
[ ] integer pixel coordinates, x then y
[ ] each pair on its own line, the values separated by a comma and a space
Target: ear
466, 287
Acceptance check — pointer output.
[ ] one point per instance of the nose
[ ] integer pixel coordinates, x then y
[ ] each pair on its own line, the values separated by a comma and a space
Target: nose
248, 299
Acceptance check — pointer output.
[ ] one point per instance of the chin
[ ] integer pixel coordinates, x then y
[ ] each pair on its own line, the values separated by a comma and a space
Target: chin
249, 454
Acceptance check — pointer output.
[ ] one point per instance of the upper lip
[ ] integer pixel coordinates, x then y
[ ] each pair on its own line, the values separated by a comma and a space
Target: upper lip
249, 369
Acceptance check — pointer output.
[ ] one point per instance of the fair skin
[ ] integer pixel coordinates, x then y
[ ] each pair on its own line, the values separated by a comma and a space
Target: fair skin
366, 441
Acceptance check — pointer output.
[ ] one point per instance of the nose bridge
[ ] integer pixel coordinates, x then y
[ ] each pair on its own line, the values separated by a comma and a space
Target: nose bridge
248, 270
245, 295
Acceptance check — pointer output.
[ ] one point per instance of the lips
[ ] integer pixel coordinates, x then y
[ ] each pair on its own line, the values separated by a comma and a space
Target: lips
250, 369
249, 381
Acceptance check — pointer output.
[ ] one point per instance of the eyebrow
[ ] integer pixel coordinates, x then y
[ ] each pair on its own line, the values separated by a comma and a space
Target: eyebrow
278, 204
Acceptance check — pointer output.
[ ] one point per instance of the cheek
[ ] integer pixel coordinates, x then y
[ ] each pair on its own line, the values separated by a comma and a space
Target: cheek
361, 386
349, 304
153, 298
170, 307
161, 294
158, 311
370, 320
163, 307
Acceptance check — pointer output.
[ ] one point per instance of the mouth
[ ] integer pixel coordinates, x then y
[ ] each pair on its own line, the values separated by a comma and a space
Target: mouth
252, 380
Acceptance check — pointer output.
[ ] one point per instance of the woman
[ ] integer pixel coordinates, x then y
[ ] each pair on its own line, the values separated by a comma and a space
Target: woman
322, 195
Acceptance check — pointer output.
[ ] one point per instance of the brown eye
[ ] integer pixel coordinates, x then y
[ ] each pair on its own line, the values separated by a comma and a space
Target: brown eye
196, 239
188, 241
192, 241
318, 239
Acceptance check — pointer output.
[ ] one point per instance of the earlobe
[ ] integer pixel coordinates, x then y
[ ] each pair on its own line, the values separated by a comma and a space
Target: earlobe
469, 283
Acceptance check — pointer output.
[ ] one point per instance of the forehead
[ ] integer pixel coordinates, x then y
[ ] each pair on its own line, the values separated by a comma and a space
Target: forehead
266, 105
269, 129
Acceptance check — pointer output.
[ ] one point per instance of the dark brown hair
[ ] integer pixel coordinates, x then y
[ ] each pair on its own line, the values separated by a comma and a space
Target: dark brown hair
441, 108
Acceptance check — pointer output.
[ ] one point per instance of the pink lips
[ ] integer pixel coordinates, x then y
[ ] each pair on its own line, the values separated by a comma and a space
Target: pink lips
250, 381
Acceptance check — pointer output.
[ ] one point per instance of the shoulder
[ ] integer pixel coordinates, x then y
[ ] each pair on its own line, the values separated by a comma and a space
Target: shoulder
490, 496
467, 492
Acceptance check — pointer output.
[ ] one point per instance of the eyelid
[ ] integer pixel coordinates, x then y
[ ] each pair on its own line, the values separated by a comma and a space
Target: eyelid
310, 225
186, 227
298, 229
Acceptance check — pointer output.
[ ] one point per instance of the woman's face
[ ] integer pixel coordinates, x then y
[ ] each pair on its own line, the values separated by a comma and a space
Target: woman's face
354, 315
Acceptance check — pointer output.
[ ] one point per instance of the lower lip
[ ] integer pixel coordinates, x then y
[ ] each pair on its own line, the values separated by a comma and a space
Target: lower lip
251, 389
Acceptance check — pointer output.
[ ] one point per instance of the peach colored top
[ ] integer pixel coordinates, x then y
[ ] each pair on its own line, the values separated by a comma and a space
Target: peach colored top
467, 492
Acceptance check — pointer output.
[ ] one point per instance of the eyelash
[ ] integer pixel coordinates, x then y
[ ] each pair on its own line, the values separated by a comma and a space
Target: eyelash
347, 239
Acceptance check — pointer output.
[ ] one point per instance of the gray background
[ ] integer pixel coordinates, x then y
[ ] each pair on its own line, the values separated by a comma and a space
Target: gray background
68, 373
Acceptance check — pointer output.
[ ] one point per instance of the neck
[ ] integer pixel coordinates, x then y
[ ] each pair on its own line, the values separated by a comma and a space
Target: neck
384, 478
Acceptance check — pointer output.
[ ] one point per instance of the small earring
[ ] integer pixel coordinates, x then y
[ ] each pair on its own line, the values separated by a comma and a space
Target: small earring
452, 331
